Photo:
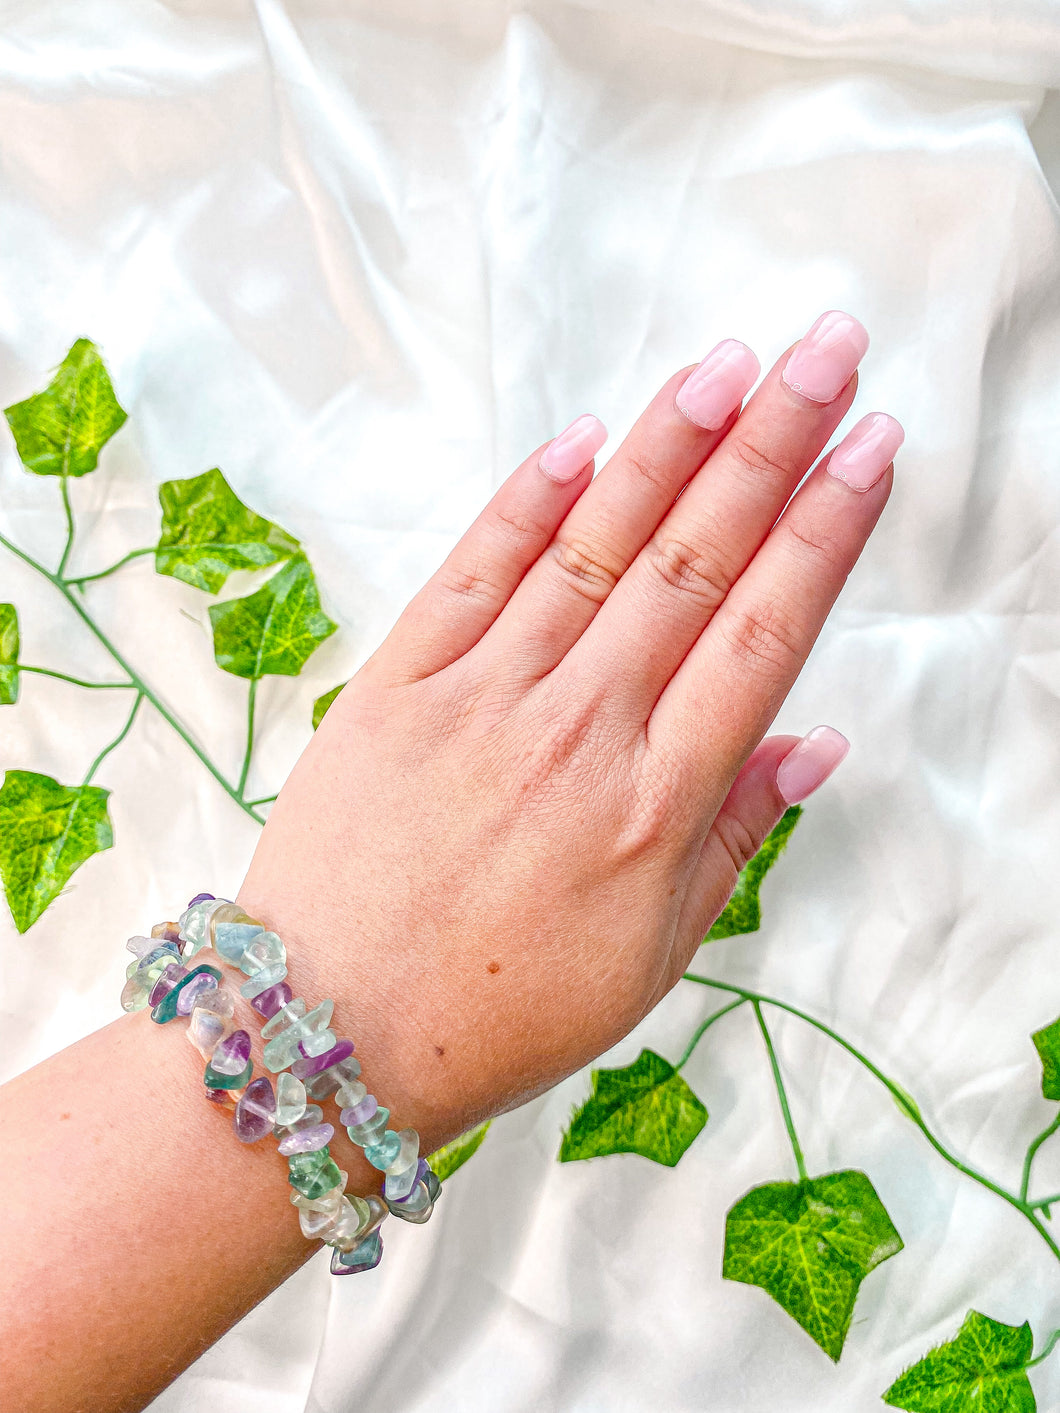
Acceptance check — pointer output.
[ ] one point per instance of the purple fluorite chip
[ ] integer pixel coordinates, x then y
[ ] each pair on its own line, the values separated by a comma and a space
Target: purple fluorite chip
268, 1002
306, 1140
255, 1110
360, 1111
194, 989
166, 982
231, 1054
313, 1064
217, 1096
202, 898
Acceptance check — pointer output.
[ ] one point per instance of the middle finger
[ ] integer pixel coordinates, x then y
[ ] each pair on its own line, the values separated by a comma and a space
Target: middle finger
699, 549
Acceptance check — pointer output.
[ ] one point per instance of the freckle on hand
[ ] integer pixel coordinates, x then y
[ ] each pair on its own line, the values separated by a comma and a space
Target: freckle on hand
439, 1049
493, 967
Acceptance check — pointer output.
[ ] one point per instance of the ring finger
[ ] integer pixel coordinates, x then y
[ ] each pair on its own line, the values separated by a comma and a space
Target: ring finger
613, 518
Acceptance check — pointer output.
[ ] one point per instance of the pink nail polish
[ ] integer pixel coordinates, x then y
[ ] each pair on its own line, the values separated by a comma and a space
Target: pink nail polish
824, 360
866, 451
574, 448
810, 762
717, 387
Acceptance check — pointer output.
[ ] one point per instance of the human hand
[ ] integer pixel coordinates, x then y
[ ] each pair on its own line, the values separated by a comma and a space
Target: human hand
517, 822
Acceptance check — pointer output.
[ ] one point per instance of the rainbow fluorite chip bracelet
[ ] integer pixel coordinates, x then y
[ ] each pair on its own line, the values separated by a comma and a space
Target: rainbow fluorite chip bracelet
308, 1060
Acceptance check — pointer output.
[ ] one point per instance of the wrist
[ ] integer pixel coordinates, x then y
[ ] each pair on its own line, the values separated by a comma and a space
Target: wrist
367, 1012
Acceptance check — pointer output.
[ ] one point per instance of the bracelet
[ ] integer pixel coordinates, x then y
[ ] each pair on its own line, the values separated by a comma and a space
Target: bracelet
309, 1062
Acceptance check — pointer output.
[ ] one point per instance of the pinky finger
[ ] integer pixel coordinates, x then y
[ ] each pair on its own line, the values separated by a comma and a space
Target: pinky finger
460, 602
780, 772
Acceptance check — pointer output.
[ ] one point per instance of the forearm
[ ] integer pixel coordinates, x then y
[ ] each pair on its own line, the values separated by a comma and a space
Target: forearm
135, 1227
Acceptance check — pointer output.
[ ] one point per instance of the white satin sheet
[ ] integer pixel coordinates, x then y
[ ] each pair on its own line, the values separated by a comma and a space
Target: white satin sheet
364, 257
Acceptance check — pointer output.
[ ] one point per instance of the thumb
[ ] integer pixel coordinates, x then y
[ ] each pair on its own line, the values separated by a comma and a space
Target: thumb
780, 772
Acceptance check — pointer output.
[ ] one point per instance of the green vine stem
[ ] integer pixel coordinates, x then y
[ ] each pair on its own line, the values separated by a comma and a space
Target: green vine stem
732, 1006
102, 573
268, 799
69, 511
1050, 1345
1028, 1161
65, 677
782, 1093
1025, 1208
105, 752
135, 680
251, 695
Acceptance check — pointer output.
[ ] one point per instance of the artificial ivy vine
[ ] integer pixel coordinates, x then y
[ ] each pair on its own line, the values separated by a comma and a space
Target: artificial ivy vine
806, 1240
48, 829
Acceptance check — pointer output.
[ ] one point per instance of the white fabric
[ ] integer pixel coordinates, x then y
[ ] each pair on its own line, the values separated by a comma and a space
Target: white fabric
364, 258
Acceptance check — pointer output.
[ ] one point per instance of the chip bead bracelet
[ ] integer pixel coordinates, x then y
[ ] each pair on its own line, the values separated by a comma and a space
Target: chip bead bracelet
308, 1060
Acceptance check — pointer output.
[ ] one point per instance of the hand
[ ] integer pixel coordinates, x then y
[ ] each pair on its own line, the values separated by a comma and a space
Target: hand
517, 822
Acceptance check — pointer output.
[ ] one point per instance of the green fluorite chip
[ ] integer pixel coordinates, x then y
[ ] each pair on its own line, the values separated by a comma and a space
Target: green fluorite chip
309, 1162
214, 1079
317, 1182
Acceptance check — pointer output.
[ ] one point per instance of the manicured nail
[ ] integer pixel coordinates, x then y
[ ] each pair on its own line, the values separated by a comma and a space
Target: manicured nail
822, 363
866, 451
809, 763
574, 448
717, 387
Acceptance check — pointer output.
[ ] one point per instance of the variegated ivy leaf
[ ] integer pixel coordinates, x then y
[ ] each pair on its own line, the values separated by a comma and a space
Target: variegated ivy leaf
274, 631
60, 431
9, 645
1047, 1043
444, 1161
810, 1245
742, 913
322, 703
981, 1370
47, 831
207, 532
646, 1108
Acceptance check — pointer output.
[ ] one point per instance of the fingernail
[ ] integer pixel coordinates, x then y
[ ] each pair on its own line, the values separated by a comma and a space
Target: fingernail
574, 448
866, 451
717, 387
809, 763
822, 363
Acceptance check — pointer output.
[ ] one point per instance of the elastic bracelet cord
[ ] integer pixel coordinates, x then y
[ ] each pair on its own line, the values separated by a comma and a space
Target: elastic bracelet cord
309, 1061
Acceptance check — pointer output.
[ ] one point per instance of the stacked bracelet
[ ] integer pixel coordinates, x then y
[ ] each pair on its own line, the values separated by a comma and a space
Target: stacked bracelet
309, 1062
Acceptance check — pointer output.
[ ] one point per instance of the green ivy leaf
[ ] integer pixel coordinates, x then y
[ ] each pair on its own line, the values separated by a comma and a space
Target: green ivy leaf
274, 631
646, 1108
9, 645
1047, 1043
321, 704
47, 831
742, 913
982, 1370
810, 1245
444, 1161
60, 431
207, 532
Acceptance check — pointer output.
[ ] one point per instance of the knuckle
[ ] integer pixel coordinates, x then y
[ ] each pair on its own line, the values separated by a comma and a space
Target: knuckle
760, 460
689, 570
816, 545
587, 567
739, 842
766, 639
470, 583
650, 469
518, 530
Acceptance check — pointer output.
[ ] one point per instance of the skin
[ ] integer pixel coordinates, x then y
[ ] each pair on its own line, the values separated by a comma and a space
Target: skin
501, 848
